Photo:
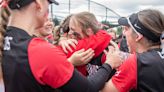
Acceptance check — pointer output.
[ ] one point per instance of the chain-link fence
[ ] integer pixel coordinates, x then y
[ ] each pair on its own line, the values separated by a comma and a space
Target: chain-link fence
67, 7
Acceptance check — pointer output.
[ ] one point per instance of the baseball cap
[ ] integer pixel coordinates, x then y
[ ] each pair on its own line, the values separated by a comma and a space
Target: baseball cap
134, 22
17, 4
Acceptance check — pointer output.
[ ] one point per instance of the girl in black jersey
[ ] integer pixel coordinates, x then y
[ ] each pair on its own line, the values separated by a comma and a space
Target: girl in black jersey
143, 70
31, 64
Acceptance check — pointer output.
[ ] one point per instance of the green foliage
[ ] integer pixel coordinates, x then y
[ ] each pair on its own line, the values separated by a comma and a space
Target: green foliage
119, 30
56, 21
110, 25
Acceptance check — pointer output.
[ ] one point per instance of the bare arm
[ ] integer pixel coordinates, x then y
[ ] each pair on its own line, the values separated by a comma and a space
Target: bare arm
109, 87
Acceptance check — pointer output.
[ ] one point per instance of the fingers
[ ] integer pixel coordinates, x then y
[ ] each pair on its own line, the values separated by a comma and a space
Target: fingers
105, 51
113, 57
88, 59
87, 55
73, 43
80, 51
87, 52
64, 48
66, 45
111, 49
114, 45
81, 57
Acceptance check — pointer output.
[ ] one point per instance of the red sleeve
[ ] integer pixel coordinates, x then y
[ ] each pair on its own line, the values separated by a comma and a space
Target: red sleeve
50, 37
98, 42
126, 77
49, 64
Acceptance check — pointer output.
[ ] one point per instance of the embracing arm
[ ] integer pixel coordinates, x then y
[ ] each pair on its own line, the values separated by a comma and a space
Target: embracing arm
54, 69
109, 87
96, 81
79, 83
93, 41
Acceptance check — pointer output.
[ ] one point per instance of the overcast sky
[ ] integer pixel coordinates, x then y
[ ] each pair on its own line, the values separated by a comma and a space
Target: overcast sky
126, 7
122, 7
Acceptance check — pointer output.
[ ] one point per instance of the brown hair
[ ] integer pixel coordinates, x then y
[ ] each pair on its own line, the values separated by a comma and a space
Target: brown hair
65, 24
153, 20
86, 20
4, 17
61, 29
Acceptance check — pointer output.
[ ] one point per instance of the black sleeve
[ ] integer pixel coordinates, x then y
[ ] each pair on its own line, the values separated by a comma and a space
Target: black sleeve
80, 83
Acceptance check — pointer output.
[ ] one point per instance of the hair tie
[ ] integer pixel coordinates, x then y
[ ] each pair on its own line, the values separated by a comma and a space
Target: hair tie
162, 44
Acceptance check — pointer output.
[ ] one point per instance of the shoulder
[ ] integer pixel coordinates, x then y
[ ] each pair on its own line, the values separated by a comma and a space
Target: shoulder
48, 63
126, 76
41, 45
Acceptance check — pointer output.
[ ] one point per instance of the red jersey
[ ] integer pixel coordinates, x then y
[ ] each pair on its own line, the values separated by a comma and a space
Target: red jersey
98, 42
48, 63
125, 78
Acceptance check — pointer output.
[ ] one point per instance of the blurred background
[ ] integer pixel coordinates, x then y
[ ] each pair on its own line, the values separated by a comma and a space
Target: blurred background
107, 12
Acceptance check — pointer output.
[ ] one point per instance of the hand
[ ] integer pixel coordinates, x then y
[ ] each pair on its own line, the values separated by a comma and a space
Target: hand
113, 56
67, 43
81, 57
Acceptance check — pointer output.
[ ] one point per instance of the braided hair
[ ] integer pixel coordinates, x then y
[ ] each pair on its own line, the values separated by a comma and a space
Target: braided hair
4, 17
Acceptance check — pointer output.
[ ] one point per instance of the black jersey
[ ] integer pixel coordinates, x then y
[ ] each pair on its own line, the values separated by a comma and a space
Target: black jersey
142, 72
150, 71
15, 65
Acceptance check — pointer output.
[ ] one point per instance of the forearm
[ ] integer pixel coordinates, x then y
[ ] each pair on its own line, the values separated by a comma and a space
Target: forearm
98, 79
79, 83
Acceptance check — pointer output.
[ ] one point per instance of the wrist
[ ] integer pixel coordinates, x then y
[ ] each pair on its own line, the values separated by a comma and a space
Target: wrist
107, 67
110, 64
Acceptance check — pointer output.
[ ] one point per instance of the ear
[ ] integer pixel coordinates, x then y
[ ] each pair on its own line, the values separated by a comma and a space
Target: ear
89, 31
38, 4
139, 37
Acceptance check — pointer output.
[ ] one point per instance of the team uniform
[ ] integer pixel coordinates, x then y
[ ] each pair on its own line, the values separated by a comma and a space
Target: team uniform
136, 73
32, 64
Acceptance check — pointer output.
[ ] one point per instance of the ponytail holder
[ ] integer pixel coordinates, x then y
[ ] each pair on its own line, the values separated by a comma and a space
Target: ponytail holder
162, 36
162, 43
3, 3
161, 54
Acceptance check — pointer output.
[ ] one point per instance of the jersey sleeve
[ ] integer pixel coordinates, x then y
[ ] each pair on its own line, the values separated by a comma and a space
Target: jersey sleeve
49, 64
97, 42
125, 78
